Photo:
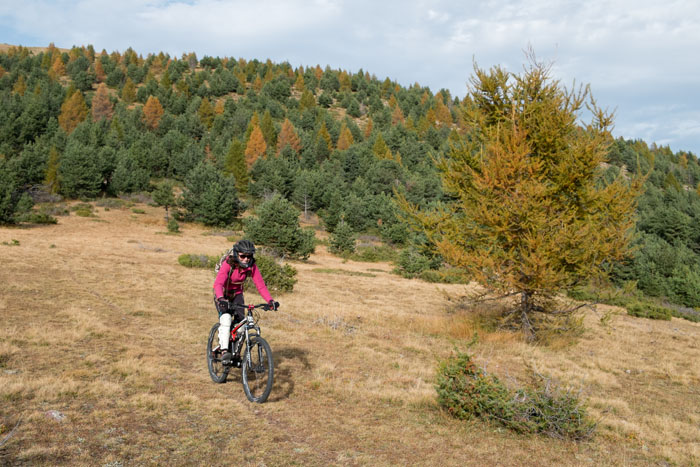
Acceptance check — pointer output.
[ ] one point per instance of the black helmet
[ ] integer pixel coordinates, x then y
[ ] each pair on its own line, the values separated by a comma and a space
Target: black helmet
245, 247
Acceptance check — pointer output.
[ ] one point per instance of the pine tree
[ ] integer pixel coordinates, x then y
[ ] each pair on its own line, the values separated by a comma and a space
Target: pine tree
380, 149
52, 170
163, 196
101, 104
73, 111
299, 83
78, 172
268, 129
531, 215
236, 165
152, 112
277, 226
256, 146
128, 93
210, 197
206, 113
323, 135
342, 240
307, 101
254, 122
20, 86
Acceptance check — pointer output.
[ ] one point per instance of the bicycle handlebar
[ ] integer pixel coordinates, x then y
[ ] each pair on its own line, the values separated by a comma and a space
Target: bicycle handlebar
264, 306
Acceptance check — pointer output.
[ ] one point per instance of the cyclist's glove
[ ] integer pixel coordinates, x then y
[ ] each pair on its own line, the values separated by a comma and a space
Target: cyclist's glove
222, 305
273, 305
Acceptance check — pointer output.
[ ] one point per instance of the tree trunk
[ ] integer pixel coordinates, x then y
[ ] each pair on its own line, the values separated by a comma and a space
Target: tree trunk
525, 310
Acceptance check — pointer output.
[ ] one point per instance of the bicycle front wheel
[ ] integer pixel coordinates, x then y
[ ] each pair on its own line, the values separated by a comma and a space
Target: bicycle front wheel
258, 370
217, 370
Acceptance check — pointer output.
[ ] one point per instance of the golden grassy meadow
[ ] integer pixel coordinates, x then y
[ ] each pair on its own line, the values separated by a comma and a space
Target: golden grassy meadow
102, 362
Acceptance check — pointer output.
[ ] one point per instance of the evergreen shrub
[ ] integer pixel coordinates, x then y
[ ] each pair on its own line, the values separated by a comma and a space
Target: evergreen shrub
277, 227
190, 260
648, 310
278, 277
466, 391
173, 226
374, 254
342, 240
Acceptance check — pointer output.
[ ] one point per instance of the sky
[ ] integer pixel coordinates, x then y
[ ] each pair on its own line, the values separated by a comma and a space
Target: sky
641, 58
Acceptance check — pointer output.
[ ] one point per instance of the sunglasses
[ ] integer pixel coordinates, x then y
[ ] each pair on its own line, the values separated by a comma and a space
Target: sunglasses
244, 256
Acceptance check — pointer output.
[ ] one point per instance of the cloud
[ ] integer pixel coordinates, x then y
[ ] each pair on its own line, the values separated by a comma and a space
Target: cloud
636, 54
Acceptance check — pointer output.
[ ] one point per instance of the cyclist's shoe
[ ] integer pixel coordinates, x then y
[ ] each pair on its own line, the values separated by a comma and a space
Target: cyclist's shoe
216, 352
226, 358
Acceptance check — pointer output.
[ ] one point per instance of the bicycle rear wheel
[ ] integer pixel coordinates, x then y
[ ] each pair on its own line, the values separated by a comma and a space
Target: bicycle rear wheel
258, 370
217, 370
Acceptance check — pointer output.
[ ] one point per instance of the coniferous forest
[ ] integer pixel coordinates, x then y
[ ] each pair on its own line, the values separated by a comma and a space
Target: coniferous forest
229, 133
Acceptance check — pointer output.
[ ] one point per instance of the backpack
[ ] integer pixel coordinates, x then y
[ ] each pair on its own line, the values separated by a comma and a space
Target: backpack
223, 258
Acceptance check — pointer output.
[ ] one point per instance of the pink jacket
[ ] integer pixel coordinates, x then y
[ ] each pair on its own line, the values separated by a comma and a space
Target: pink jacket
238, 276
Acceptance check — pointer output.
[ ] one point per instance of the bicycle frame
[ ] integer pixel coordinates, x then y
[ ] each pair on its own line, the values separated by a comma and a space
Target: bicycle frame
247, 324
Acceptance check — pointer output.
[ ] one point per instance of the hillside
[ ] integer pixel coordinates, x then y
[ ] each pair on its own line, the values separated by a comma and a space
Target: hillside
81, 124
102, 326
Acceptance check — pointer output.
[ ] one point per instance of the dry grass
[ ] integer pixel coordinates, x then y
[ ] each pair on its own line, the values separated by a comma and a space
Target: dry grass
108, 330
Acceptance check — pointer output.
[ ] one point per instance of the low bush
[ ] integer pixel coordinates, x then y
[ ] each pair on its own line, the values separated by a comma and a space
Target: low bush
648, 310
278, 277
37, 217
466, 391
113, 203
190, 260
83, 210
173, 226
374, 254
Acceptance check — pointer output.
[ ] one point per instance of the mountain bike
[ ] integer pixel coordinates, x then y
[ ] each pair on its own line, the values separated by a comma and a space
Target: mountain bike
251, 353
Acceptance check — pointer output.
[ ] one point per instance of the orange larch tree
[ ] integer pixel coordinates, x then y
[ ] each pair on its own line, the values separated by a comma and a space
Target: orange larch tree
288, 137
345, 140
152, 112
73, 111
100, 75
101, 104
256, 146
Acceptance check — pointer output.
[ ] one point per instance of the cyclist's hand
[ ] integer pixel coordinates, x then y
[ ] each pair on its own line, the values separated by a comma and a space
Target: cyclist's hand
273, 305
222, 305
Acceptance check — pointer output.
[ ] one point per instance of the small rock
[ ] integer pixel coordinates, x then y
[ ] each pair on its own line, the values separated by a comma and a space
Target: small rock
628, 371
11, 372
56, 415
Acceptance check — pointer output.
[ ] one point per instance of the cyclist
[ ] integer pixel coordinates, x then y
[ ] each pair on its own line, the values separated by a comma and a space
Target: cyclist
228, 288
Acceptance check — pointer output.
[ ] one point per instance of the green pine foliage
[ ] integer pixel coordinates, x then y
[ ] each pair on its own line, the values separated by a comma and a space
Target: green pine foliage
342, 240
210, 197
466, 391
358, 183
276, 225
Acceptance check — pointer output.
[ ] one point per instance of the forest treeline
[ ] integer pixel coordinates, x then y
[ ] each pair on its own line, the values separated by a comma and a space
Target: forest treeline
343, 145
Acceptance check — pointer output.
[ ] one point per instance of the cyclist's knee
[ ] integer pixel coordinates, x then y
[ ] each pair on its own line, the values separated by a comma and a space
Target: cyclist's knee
225, 320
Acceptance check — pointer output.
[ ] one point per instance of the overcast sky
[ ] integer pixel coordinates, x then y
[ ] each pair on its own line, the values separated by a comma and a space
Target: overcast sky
641, 57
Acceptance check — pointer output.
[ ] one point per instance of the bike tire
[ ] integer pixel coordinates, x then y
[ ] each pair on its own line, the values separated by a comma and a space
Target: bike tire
217, 370
258, 372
